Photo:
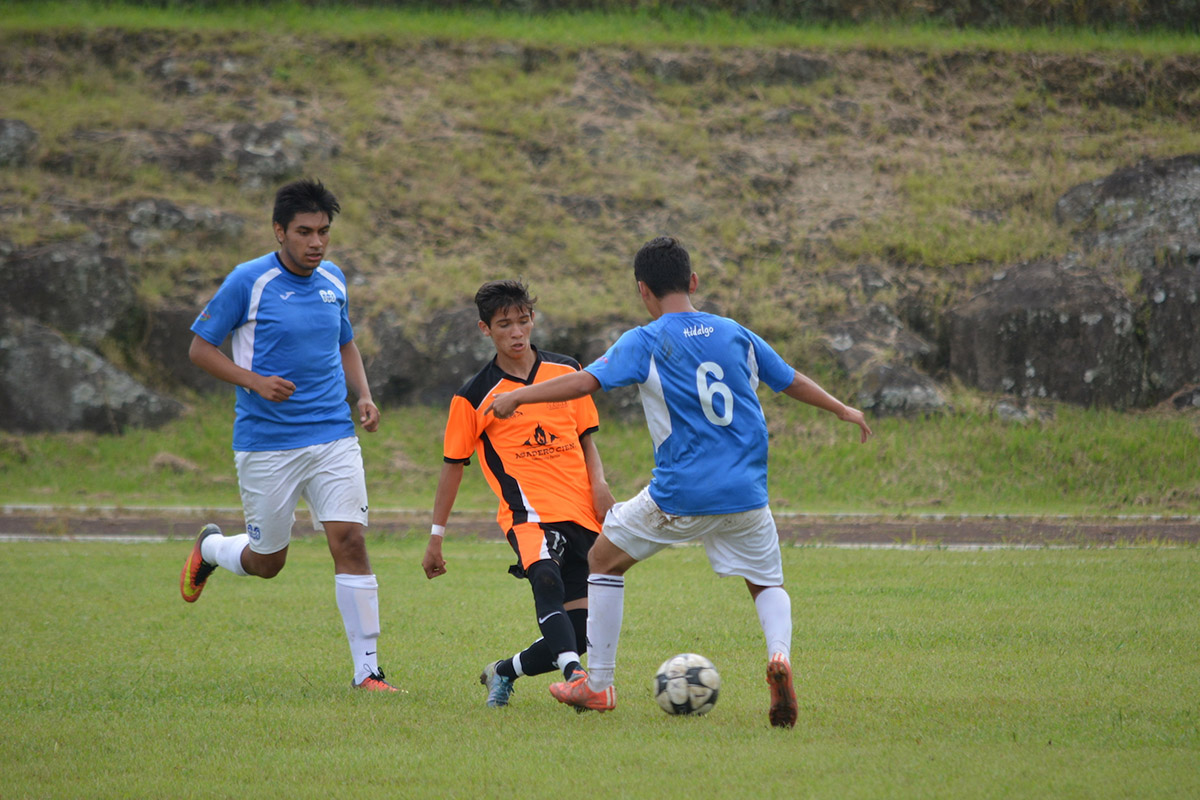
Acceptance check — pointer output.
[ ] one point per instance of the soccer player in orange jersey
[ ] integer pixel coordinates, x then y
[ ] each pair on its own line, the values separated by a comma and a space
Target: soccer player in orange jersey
546, 472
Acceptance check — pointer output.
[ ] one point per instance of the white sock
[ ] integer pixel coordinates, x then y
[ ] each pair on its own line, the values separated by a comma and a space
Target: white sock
775, 615
517, 668
358, 600
564, 658
225, 551
606, 606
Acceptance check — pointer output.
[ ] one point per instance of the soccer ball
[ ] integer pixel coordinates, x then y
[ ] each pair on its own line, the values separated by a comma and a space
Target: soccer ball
687, 684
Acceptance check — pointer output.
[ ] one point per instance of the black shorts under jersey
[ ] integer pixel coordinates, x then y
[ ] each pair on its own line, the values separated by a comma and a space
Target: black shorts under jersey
565, 543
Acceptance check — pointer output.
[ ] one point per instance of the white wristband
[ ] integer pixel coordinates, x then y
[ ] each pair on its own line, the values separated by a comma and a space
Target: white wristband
437, 530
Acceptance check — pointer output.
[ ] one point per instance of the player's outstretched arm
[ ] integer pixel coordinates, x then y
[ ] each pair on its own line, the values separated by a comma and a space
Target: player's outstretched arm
356, 379
555, 390
443, 501
208, 358
806, 390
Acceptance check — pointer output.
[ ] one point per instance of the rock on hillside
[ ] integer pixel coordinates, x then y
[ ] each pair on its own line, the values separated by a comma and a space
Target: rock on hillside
1143, 212
1046, 330
1069, 330
74, 286
17, 143
1146, 217
49, 384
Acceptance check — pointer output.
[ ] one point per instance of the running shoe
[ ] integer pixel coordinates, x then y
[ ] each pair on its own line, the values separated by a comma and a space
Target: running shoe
783, 697
196, 570
500, 687
576, 692
375, 683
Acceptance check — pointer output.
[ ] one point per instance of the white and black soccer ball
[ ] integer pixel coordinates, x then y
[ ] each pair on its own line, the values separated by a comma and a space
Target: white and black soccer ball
687, 684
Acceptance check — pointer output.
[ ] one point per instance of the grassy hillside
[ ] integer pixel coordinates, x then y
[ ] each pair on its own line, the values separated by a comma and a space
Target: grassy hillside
471, 146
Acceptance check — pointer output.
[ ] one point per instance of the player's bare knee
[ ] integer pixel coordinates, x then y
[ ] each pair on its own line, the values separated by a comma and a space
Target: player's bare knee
756, 589
595, 562
269, 571
606, 563
349, 549
348, 546
264, 566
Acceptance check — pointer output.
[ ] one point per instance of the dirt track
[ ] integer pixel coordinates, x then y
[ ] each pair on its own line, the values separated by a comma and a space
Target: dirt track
1026, 531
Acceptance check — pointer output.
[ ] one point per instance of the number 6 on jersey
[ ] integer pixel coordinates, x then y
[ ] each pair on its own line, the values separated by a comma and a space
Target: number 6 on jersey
708, 390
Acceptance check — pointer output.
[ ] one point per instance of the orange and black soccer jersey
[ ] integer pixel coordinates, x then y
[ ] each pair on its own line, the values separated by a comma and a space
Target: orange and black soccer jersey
533, 460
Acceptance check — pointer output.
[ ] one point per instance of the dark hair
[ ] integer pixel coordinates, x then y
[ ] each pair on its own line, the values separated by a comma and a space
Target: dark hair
664, 266
303, 197
495, 296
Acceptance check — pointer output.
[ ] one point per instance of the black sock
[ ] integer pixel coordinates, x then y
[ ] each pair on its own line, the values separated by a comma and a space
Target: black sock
578, 617
536, 659
558, 630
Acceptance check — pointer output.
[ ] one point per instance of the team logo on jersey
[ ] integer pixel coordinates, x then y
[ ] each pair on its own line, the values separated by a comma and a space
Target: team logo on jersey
543, 444
328, 296
540, 438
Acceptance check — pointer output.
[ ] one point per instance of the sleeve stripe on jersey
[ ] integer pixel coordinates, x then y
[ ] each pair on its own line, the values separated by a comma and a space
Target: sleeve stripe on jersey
752, 362
329, 276
243, 339
654, 404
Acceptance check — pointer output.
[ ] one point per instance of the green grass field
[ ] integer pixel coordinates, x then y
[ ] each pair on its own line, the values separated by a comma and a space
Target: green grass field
929, 673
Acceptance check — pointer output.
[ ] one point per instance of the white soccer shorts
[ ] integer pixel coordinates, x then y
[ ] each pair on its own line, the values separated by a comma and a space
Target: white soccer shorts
745, 544
328, 476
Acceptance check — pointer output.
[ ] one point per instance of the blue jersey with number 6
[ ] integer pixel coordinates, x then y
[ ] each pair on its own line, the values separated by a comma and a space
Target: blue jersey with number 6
697, 374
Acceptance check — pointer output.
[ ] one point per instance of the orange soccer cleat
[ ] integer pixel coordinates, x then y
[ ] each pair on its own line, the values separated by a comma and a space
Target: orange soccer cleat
196, 570
576, 692
375, 683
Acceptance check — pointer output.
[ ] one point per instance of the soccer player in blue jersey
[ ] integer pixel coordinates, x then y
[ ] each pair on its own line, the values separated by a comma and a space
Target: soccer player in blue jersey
293, 435
697, 374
